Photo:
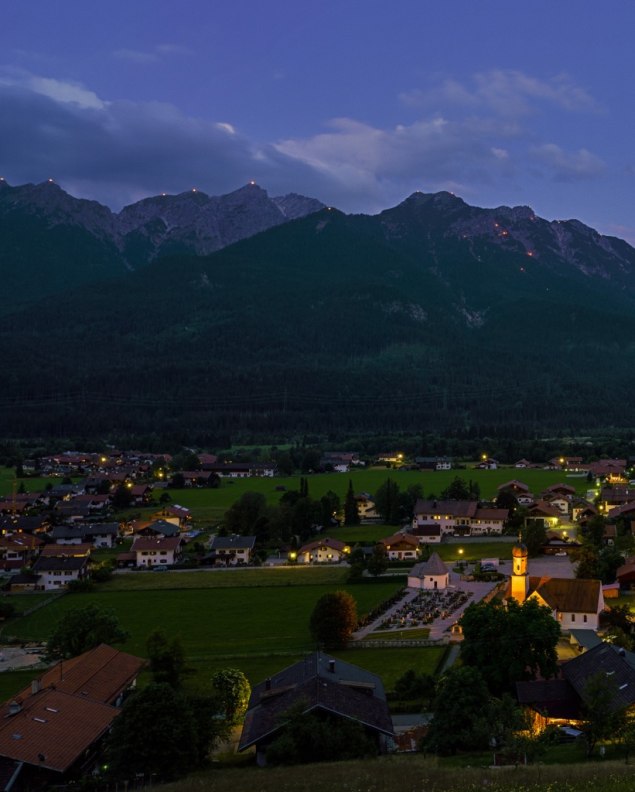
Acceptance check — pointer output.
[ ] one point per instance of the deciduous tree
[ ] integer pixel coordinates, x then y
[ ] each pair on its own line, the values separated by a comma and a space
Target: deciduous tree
334, 619
81, 629
232, 689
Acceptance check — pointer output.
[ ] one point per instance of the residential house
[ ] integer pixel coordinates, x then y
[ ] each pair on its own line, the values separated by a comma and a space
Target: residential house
401, 547
431, 574
323, 551
318, 684
427, 533
560, 701
433, 463
456, 516
97, 534
541, 510
52, 730
234, 549
488, 521
366, 508
152, 552
18, 550
56, 573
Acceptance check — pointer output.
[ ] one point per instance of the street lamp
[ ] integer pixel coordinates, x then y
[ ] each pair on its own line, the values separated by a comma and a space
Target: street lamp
460, 564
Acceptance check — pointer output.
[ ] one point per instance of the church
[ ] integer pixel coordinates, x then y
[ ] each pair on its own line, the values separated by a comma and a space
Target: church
575, 604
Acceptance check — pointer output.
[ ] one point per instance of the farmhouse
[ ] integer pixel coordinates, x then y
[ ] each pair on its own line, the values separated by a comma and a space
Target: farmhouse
156, 552
232, 550
323, 551
401, 547
56, 573
322, 685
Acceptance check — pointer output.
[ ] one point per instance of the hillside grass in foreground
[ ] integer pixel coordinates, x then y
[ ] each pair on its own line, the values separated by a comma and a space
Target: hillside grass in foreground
414, 773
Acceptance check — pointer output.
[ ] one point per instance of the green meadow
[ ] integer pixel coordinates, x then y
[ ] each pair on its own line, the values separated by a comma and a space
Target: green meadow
209, 505
257, 620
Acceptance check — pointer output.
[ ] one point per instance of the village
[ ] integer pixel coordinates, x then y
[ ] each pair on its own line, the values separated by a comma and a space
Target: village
104, 522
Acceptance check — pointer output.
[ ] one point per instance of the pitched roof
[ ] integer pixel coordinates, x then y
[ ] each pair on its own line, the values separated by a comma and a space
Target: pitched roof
69, 550
321, 682
617, 664
99, 674
56, 724
568, 595
152, 543
60, 564
234, 542
554, 698
333, 544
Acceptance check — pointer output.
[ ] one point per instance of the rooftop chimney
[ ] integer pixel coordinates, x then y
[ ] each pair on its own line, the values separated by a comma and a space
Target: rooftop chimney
35, 687
332, 666
268, 683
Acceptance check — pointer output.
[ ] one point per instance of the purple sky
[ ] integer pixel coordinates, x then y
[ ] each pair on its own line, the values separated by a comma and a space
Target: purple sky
355, 102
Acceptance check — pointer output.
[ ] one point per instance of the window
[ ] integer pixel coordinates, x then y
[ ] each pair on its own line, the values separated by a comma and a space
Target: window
573, 617
584, 618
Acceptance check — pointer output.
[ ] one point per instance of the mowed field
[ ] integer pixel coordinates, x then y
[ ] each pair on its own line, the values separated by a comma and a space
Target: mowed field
209, 505
255, 620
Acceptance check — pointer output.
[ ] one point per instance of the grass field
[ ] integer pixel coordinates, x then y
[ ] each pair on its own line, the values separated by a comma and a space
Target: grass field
209, 505
255, 619
412, 772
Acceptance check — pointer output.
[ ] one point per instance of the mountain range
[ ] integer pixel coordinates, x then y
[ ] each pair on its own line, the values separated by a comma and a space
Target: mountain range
430, 316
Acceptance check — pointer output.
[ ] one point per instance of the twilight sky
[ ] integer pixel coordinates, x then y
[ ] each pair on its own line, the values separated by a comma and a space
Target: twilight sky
355, 102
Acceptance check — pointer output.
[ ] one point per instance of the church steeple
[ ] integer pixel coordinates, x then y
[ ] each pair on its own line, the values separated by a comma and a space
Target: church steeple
520, 578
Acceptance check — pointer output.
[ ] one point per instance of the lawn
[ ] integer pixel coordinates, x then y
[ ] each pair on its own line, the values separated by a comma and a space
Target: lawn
209, 505
217, 626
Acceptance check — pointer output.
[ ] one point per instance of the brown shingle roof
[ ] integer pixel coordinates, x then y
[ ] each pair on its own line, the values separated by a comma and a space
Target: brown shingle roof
53, 729
568, 595
71, 710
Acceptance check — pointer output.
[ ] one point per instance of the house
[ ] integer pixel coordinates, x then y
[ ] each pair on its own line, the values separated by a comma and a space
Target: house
320, 684
560, 701
451, 516
430, 574
53, 729
97, 534
574, 603
433, 463
232, 550
18, 550
153, 552
488, 521
541, 510
56, 573
427, 534
401, 547
323, 551
448, 514
366, 508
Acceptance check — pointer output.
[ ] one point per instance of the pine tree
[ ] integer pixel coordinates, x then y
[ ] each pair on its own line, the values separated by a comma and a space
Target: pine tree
351, 513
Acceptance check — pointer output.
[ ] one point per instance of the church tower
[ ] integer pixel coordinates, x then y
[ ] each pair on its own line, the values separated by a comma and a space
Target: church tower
520, 578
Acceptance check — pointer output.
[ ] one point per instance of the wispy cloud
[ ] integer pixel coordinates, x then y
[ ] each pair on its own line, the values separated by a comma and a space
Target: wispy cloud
504, 92
568, 166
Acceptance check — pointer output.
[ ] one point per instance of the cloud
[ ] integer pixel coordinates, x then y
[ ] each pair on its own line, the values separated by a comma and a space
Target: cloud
507, 93
567, 166
118, 152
